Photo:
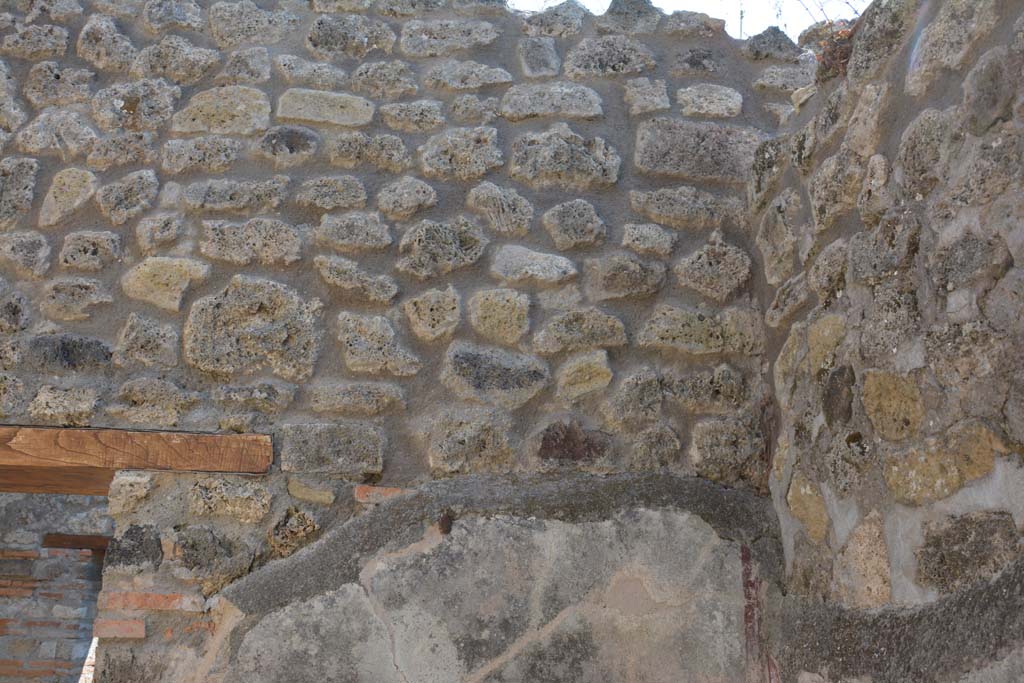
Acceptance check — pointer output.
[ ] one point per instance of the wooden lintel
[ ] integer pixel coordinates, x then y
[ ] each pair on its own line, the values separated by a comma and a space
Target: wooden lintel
83, 461
95, 543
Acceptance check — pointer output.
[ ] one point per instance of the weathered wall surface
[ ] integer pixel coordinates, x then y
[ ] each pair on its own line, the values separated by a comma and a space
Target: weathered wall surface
47, 595
639, 359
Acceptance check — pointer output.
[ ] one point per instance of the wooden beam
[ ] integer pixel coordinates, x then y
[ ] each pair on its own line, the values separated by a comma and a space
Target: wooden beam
97, 544
83, 461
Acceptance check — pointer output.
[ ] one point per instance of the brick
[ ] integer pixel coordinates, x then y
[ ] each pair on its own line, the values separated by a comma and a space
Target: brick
9, 554
15, 592
128, 629
372, 495
130, 600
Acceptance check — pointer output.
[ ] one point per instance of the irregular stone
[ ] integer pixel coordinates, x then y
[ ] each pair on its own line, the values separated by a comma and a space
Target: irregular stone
963, 549
861, 571
473, 110
686, 207
722, 390
353, 232
349, 35
160, 16
403, 198
346, 275
210, 558
879, 36
163, 280
129, 197
708, 99
656, 447
786, 79
561, 21
518, 265
827, 275
209, 153
251, 324
144, 341
538, 57
430, 248
319, 107
807, 505
158, 230
383, 80
237, 23
922, 150
729, 451
569, 444
441, 37
236, 195
90, 250
352, 450
246, 501
694, 61
127, 148
293, 531
989, 90
629, 16
733, 330
469, 440
1004, 304
298, 489
716, 270
386, 152
63, 353
70, 298
943, 465
622, 275
69, 190
249, 65
287, 146
434, 314
893, 404
695, 149
358, 399
129, 490
574, 224
789, 299
776, 237
580, 329
946, 42
493, 376
298, 71
772, 43
56, 132
834, 189
369, 344
101, 44
35, 42
420, 116
559, 158
72, 407
500, 315
463, 153
554, 98
266, 241
139, 105
465, 75
136, 550
51, 84
890, 247
607, 56
265, 397
636, 402
151, 401
648, 238
332, 192
644, 96
226, 109
506, 211
583, 374
26, 251
175, 58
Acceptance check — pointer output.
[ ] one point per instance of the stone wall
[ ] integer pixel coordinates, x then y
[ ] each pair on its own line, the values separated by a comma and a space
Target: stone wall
47, 595
586, 355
